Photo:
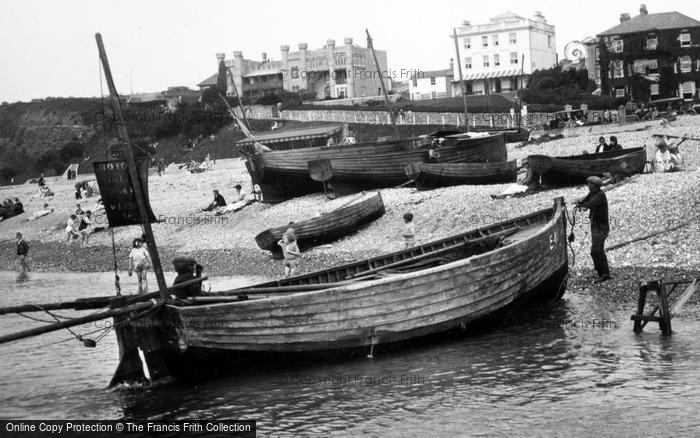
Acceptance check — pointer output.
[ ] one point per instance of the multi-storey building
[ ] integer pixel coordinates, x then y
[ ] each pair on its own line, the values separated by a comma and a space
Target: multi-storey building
345, 71
651, 56
498, 56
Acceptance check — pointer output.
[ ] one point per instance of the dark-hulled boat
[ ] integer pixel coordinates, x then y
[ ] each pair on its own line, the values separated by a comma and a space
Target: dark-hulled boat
327, 227
283, 175
432, 175
396, 297
573, 170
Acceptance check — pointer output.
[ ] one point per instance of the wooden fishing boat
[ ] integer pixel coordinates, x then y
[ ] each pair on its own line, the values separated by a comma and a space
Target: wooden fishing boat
431, 175
295, 138
573, 170
359, 305
282, 175
327, 227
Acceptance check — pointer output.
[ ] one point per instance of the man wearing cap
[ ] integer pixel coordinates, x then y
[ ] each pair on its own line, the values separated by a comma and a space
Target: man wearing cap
597, 203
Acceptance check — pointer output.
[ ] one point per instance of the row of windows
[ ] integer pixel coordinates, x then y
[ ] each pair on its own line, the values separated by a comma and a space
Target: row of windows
496, 60
686, 87
651, 66
618, 45
512, 38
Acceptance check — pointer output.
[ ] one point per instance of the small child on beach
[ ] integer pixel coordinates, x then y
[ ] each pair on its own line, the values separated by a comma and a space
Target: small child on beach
140, 262
291, 252
409, 230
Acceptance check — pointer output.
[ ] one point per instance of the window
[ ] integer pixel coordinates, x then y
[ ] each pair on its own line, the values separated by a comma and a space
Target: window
513, 38
433, 95
688, 89
549, 41
651, 41
685, 64
432, 81
467, 43
654, 89
513, 57
468, 63
362, 91
685, 39
485, 41
616, 46
496, 60
486, 60
494, 39
617, 69
415, 81
620, 92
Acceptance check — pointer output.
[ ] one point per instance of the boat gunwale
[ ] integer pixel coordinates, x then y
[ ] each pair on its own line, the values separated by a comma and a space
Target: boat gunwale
545, 227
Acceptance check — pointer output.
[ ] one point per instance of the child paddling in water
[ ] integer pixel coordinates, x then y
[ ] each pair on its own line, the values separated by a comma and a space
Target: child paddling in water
291, 252
140, 261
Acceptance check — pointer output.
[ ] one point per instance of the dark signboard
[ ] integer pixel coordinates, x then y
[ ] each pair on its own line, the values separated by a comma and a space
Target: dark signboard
118, 193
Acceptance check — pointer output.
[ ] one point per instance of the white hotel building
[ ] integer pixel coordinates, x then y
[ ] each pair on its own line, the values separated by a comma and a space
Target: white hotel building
492, 54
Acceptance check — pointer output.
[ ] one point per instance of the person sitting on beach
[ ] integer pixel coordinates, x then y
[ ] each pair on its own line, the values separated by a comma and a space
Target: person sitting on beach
664, 160
140, 261
46, 210
18, 207
602, 146
41, 182
409, 231
98, 205
218, 201
79, 210
85, 228
44, 191
240, 200
72, 225
291, 252
187, 269
614, 145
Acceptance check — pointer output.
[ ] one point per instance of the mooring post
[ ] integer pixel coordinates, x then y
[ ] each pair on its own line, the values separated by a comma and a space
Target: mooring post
641, 302
664, 311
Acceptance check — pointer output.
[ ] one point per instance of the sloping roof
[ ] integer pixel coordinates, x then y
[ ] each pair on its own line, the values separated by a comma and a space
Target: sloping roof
648, 22
284, 135
506, 16
211, 81
434, 73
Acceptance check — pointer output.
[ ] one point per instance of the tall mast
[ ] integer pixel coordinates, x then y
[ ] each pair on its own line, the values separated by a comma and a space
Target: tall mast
240, 97
381, 81
461, 81
125, 146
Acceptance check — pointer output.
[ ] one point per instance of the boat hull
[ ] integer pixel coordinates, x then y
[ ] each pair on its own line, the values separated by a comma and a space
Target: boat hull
573, 170
327, 227
530, 266
432, 175
282, 175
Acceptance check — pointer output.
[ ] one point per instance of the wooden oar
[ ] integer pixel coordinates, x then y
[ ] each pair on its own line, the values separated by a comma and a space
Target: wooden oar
95, 302
76, 321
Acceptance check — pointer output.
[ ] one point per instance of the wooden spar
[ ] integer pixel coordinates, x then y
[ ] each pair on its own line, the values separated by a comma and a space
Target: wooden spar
240, 100
683, 137
94, 302
381, 81
461, 81
133, 171
244, 128
76, 321
280, 289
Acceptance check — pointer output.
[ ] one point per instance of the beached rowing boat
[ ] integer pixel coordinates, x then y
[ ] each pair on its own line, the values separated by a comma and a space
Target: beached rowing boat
283, 175
396, 297
573, 170
431, 175
327, 227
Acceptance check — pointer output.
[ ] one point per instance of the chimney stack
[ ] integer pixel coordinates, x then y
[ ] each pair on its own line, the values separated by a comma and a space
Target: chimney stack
264, 57
452, 64
624, 17
643, 9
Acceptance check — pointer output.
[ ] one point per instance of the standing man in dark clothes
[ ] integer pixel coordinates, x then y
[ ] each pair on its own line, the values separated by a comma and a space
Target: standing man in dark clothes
187, 269
597, 203
22, 251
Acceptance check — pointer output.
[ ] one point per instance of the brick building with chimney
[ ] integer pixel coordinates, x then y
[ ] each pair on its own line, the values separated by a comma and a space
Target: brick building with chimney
650, 56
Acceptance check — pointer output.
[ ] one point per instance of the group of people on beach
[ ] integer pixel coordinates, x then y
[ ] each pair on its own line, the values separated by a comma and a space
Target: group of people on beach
79, 226
220, 207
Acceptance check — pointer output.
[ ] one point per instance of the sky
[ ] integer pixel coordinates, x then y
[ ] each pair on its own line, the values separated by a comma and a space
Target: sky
47, 47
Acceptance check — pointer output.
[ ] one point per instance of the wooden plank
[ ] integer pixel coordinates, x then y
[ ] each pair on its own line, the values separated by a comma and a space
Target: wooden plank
684, 297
